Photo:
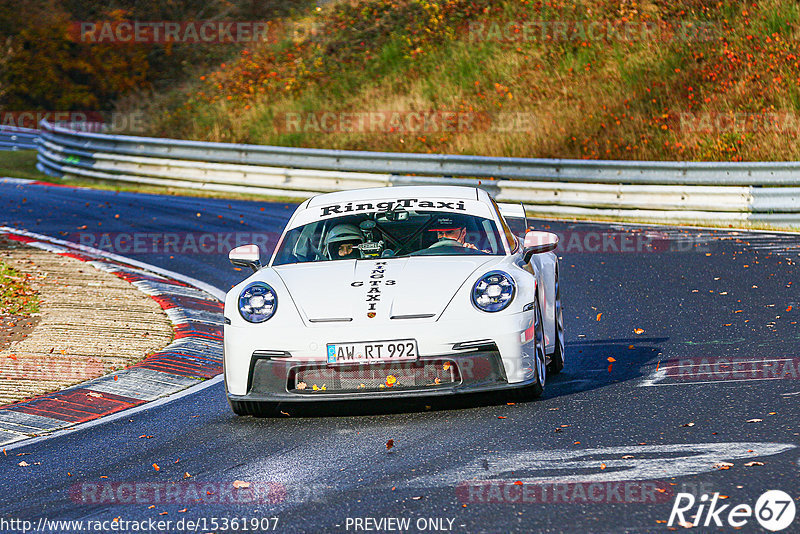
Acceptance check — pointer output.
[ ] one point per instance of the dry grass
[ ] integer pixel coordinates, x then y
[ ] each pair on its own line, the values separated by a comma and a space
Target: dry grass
604, 98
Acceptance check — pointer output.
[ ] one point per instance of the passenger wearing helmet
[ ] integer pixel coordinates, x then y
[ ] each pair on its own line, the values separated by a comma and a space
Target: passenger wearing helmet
341, 242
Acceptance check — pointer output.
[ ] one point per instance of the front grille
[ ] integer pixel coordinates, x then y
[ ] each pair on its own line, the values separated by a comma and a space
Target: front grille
373, 377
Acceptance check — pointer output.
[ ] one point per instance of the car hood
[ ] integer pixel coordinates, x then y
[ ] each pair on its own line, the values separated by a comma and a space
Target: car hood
366, 291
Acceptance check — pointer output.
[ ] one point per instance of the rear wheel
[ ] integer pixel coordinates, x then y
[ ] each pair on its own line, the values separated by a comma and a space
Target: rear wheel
557, 358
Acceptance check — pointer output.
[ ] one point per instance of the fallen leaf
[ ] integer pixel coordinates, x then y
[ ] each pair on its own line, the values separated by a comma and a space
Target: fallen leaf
389, 444
638, 331
602, 466
610, 365
416, 498
752, 464
240, 484
501, 417
155, 466
722, 465
151, 506
163, 513
610, 359
599, 315
688, 424
285, 413
186, 475
754, 420
94, 394
182, 510
627, 457
23, 463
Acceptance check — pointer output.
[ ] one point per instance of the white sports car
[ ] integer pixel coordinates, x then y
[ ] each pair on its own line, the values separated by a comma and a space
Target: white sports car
394, 292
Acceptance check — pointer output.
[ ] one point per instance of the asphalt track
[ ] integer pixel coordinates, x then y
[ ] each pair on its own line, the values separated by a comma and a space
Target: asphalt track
665, 314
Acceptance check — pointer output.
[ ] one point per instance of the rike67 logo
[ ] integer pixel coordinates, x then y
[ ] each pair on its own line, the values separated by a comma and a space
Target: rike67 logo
774, 510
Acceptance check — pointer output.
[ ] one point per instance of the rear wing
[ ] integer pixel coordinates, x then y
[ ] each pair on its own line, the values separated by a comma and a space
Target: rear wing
514, 214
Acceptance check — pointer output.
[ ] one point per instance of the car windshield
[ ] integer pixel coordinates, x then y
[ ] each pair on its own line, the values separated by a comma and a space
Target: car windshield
389, 235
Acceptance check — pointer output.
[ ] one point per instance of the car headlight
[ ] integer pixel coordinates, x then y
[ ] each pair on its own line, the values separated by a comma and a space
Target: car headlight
257, 302
493, 292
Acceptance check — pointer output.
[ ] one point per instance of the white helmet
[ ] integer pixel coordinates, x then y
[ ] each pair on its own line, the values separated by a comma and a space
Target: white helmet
339, 235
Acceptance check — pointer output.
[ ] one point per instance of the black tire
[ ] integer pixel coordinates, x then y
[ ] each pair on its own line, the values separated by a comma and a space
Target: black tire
535, 390
556, 363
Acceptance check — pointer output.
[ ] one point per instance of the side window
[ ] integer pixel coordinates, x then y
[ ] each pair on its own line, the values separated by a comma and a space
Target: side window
512, 242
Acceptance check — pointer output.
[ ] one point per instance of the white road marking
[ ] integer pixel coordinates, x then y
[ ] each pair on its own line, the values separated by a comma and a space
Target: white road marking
690, 383
649, 462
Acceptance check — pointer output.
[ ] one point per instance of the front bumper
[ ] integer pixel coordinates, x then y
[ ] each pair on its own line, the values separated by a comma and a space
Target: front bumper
501, 354
274, 380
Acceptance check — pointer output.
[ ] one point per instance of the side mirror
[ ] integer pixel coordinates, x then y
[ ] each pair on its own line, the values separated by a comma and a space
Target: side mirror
246, 256
538, 242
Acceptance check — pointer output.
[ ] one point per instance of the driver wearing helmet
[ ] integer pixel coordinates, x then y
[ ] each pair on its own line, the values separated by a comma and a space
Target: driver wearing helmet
451, 229
342, 241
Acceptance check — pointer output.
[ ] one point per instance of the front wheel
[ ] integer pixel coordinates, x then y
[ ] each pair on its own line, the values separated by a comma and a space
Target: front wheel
535, 389
557, 358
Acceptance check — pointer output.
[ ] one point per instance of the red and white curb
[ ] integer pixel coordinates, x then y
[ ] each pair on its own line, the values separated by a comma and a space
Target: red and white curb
194, 357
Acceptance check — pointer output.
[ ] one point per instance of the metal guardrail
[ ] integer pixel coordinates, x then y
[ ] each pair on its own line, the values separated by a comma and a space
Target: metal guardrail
13, 138
659, 191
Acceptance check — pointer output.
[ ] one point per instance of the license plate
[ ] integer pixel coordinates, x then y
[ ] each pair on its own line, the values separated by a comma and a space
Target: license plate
398, 350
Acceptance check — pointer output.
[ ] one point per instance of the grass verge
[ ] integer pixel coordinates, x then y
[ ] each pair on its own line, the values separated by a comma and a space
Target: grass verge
17, 298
